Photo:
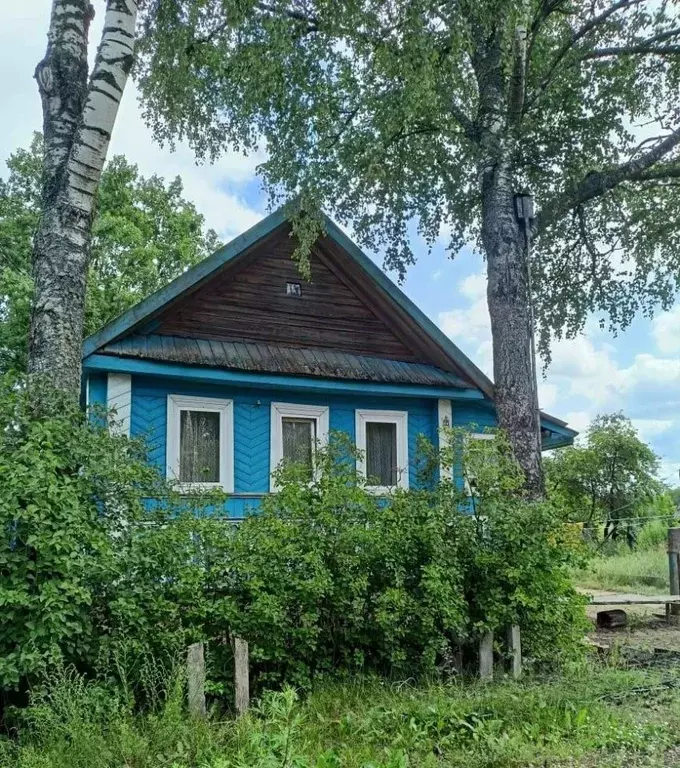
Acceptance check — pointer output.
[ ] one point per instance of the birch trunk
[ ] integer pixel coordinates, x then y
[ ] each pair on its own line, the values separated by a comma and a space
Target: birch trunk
500, 111
78, 118
508, 301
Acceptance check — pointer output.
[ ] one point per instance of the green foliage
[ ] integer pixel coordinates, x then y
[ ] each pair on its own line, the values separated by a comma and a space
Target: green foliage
642, 571
594, 715
609, 479
72, 722
386, 114
85, 561
102, 554
328, 576
144, 234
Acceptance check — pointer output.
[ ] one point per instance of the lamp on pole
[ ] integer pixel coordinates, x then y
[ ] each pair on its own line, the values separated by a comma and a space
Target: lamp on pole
524, 210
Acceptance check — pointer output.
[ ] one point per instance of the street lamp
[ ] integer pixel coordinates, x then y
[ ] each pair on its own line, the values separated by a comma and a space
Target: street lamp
524, 210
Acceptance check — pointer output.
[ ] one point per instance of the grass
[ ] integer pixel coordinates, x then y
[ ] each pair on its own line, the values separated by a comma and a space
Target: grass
644, 571
593, 715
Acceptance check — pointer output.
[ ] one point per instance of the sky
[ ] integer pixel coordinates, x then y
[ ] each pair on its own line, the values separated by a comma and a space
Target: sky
637, 372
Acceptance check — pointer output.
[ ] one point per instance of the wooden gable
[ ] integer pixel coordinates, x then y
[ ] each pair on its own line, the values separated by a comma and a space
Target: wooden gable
264, 298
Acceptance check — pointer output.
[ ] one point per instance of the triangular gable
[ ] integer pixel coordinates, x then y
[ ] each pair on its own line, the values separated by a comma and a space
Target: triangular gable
263, 298
404, 331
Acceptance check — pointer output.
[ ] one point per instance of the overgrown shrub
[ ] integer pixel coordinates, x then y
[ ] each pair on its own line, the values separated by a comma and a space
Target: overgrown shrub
523, 553
83, 558
330, 577
100, 553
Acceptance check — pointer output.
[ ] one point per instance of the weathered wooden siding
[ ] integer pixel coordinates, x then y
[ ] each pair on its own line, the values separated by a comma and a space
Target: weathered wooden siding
252, 426
250, 302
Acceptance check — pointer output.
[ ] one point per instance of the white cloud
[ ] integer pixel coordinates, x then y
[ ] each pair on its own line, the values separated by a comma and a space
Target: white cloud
470, 326
547, 394
579, 420
473, 286
651, 428
666, 331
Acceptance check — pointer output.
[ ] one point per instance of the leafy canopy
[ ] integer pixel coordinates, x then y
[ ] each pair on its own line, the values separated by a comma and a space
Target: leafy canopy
389, 113
144, 234
609, 479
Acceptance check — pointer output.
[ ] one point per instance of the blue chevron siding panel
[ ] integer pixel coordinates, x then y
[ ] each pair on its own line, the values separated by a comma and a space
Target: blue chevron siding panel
252, 425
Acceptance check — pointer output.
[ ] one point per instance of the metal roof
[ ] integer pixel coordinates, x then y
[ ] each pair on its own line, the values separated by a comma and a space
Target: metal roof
272, 358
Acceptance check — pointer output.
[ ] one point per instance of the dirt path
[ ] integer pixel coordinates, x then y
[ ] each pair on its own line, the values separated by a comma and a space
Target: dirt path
647, 628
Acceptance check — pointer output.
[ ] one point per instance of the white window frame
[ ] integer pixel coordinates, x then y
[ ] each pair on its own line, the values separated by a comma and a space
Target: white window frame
467, 477
179, 403
400, 418
320, 413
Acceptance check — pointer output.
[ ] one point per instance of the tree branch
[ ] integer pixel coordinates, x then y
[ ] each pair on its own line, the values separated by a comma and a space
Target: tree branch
311, 21
579, 34
632, 50
596, 184
518, 78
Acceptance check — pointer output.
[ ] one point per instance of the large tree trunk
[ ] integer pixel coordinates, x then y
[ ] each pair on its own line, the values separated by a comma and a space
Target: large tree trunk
78, 117
508, 300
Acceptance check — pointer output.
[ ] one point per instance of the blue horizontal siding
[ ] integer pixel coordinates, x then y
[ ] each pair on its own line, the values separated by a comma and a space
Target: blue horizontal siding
252, 409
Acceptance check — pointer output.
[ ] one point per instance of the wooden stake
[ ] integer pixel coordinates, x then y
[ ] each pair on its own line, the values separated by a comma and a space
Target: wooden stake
486, 656
515, 649
673, 612
241, 676
196, 680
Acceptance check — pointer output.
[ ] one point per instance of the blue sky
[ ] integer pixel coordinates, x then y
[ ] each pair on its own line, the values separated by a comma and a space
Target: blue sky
638, 372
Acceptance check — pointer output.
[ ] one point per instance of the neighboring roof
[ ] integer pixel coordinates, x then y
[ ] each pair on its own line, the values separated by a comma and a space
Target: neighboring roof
107, 339
273, 358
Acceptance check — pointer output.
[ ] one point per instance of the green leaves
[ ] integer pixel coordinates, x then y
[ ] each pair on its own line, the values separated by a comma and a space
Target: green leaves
144, 235
387, 115
99, 551
611, 478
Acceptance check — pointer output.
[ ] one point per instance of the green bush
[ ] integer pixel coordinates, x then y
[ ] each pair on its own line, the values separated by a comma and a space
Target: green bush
328, 576
84, 561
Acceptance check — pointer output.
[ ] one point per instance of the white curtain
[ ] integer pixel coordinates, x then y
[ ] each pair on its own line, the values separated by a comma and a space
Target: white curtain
298, 440
199, 447
381, 453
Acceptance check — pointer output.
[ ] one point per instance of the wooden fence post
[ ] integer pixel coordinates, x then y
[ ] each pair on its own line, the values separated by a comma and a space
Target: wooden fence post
196, 680
674, 572
515, 649
241, 676
486, 656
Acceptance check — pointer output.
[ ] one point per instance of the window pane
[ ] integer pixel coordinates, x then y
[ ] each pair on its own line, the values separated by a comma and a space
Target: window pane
381, 453
199, 447
298, 440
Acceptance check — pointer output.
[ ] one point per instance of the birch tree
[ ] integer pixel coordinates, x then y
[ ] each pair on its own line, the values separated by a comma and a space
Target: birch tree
144, 234
390, 113
79, 110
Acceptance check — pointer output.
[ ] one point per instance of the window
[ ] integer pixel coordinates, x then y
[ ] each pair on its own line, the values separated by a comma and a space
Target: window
382, 437
296, 430
200, 442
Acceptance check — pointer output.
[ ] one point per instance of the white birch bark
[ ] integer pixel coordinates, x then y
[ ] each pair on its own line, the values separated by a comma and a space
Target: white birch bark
78, 117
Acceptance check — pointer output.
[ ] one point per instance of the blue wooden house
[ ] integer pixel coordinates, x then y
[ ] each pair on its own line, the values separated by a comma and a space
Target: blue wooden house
240, 363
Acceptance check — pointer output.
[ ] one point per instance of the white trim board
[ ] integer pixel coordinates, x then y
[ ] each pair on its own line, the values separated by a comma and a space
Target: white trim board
400, 418
445, 419
179, 403
119, 400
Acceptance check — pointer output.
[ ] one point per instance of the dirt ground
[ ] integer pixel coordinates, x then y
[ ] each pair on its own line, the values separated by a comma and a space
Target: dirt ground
647, 629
